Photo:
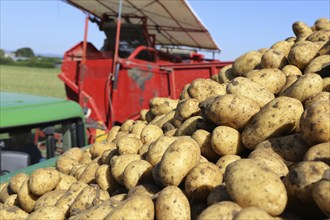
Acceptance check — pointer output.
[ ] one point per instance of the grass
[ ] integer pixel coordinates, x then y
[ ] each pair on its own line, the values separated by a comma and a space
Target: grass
30, 80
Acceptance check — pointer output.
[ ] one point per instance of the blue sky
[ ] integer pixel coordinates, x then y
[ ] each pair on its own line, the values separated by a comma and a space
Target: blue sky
52, 26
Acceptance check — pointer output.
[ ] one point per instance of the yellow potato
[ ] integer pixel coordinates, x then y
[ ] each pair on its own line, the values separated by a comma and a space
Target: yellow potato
322, 96
301, 29
98, 148
319, 152
43, 180
203, 138
129, 145
252, 213
135, 207
171, 203
248, 184
201, 180
66, 181
104, 178
226, 140
184, 153
302, 53
157, 149
48, 212
112, 133
13, 213
188, 127
137, 172
48, 199
289, 70
161, 105
246, 62
26, 198
65, 164
218, 194
321, 196
202, 89
84, 200
221, 211
282, 46
273, 58
314, 123
118, 165
88, 175
75, 153
224, 161
16, 181
150, 133
226, 74
280, 116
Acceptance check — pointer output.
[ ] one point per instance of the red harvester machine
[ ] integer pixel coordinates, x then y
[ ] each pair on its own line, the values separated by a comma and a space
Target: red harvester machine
148, 52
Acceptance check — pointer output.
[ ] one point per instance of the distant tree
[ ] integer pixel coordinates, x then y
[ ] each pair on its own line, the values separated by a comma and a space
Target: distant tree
24, 52
2, 53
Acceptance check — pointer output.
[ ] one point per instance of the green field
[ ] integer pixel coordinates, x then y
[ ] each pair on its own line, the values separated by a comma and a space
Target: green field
37, 81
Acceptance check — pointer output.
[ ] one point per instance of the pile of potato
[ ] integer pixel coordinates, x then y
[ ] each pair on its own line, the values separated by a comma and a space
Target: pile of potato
253, 142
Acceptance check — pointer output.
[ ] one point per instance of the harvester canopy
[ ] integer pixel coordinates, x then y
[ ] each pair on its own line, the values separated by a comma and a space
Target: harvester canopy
173, 23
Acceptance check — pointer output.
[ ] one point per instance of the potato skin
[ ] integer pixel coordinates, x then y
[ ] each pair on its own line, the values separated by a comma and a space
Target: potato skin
300, 180
104, 178
161, 105
158, 148
84, 200
246, 62
13, 213
16, 181
231, 110
321, 196
272, 78
252, 213
317, 65
48, 199
202, 89
49, 212
302, 53
322, 96
226, 140
289, 70
218, 194
304, 87
171, 203
224, 161
26, 198
245, 87
314, 123
221, 210
65, 164
43, 180
278, 117
184, 153
273, 59
226, 74
250, 185
203, 138
119, 164
150, 133
201, 180
319, 152
137, 172
135, 207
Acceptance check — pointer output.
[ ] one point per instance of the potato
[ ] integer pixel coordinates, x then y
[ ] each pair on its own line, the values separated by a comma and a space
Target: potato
226, 74
108, 154
150, 133
119, 164
158, 148
184, 153
273, 58
196, 209
301, 29
301, 179
320, 65
104, 178
230, 110
79, 170
218, 194
269, 160
245, 87
167, 118
16, 181
305, 87
48, 199
314, 123
161, 105
290, 147
84, 200
325, 49
99, 211
171, 203
186, 109
202, 89
66, 181
43, 180
126, 125
74, 153
26, 198
203, 138
322, 96
201, 180
13, 213
226, 140
6, 191
147, 189
282, 46
321, 196
321, 35
289, 70
69, 196
273, 79
137, 172
221, 211
137, 127
112, 133
48, 212
11, 201
224, 161
319, 152
88, 175
188, 127
129, 145
289, 81
184, 93
280, 116
302, 53
252, 213
98, 148
65, 164
135, 207
246, 62
248, 184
